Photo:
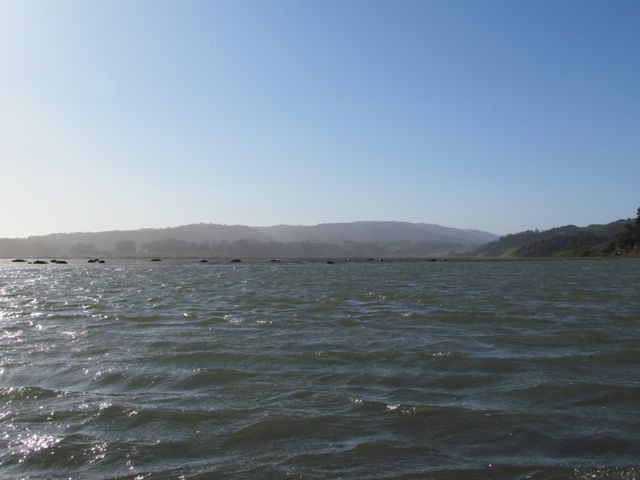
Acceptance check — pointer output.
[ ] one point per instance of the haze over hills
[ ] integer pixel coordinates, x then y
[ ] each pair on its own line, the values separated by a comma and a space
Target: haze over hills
356, 239
374, 238
384, 232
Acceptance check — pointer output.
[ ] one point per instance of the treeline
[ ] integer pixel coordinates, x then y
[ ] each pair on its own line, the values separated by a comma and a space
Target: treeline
261, 249
10, 248
628, 240
621, 237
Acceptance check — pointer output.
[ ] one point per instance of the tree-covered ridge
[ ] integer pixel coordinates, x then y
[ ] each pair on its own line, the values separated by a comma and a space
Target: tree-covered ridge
621, 237
628, 240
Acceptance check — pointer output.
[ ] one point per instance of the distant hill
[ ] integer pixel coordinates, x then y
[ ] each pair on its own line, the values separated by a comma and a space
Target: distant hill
380, 232
567, 241
376, 239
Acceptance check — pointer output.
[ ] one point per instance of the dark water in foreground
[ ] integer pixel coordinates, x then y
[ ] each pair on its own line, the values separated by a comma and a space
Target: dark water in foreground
355, 371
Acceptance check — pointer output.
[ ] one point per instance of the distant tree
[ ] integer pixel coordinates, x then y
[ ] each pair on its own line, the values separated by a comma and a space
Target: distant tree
627, 241
81, 249
126, 247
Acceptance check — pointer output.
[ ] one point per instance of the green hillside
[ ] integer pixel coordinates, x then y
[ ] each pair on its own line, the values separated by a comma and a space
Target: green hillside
621, 237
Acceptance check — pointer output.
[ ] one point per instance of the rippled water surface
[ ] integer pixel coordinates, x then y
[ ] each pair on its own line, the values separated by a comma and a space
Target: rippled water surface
356, 370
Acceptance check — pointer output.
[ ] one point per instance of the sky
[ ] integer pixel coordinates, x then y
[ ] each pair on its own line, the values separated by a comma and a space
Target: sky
495, 115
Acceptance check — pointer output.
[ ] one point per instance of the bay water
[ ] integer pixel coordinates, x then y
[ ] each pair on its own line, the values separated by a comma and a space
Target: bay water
303, 370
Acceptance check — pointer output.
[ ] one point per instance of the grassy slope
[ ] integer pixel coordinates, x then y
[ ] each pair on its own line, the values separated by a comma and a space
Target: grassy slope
557, 242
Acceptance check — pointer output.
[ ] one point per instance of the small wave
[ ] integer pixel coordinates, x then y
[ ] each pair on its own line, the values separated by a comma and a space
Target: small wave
91, 458
364, 357
605, 473
136, 417
213, 376
29, 393
592, 359
11, 335
408, 409
279, 427
603, 445
148, 318
578, 394
127, 380
348, 322
192, 358
464, 381
368, 454
626, 355
495, 472
29, 447
615, 395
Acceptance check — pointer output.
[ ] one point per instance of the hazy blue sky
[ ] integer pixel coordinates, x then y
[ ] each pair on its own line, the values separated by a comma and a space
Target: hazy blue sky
498, 115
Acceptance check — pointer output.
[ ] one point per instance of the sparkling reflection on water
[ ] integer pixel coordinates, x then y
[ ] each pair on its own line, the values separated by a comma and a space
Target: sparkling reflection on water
394, 370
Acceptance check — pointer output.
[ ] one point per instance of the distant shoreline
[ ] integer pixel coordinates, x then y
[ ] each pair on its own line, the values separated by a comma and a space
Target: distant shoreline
294, 260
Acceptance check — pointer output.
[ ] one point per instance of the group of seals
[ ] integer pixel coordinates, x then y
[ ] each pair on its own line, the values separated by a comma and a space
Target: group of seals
235, 260
39, 262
